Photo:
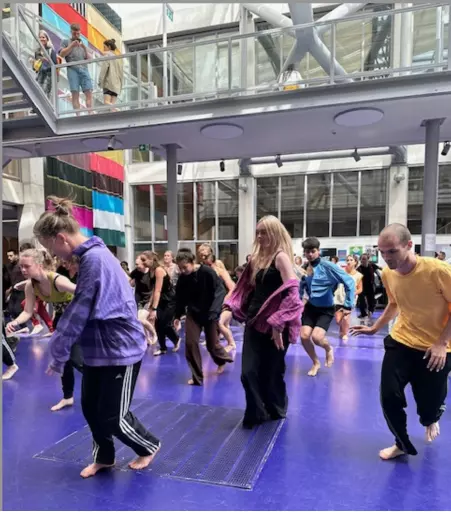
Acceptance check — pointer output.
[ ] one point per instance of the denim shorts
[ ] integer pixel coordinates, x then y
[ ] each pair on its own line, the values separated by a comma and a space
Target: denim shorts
79, 79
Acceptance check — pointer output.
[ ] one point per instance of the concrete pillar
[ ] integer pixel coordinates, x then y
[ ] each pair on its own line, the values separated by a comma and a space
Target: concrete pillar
127, 253
398, 194
172, 214
247, 197
33, 196
430, 187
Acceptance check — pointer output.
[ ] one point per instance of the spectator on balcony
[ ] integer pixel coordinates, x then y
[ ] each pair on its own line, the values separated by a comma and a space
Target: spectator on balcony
111, 74
41, 63
73, 50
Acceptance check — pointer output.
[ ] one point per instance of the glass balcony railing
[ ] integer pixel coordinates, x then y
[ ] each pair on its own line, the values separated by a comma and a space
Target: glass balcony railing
356, 48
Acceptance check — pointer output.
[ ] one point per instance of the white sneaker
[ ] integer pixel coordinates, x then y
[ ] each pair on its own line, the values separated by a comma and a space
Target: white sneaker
37, 330
9, 372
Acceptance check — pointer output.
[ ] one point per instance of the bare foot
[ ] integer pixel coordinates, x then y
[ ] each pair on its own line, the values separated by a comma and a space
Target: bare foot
142, 462
314, 369
329, 357
221, 369
432, 432
9, 372
391, 453
92, 469
65, 402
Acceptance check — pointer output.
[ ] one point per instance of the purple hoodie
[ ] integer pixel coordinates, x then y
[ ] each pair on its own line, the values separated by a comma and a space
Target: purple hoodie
102, 316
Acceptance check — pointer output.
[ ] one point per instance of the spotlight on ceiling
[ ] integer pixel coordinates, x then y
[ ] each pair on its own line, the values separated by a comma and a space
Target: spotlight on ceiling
222, 166
356, 155
279, 161
112, 143
179, 169
446, 147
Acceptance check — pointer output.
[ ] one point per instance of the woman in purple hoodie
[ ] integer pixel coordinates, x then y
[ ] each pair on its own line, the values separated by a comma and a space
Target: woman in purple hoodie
102, 318
267, 299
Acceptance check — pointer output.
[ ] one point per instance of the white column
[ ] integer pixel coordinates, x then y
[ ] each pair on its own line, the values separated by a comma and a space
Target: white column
127, 253
398, 194
33, 196
402, 52
247, 216
172, 200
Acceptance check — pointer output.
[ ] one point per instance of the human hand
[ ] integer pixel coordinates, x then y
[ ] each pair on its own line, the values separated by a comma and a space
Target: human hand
152, 316
177, 325
50, 372
277, 338
437, 357
362, 329
12, 327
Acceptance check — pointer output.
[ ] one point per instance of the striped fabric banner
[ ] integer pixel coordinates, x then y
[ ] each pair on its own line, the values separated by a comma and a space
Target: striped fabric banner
65, 180
108, 199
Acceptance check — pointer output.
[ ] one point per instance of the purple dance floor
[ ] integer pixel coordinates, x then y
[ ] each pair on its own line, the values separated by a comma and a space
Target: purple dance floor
324, 456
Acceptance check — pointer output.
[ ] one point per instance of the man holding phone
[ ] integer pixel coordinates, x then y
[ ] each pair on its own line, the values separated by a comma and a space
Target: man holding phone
74, 50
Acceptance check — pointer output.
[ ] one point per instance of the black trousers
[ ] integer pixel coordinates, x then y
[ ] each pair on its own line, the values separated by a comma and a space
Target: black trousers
75, 362
7, 352
107, 392
263, 377
366, 301
403, 365
164, 327
192, 352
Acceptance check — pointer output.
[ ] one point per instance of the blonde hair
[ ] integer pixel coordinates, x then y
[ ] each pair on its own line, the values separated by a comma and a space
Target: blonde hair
56, 220
40, 257
279, 240
152, 257
49, 41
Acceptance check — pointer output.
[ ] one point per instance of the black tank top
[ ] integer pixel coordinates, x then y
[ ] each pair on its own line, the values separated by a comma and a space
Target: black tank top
266, 283
167, 290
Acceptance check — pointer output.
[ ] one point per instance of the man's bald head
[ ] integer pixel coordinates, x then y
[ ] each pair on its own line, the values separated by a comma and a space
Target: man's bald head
398, 231
395, 243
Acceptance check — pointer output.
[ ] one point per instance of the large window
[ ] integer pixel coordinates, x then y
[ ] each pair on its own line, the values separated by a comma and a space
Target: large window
186, 211
228, 210
373, 201
318, 204
207, 211
415, 205
267, 197
332, 202
345, 199
143, 230
292, 204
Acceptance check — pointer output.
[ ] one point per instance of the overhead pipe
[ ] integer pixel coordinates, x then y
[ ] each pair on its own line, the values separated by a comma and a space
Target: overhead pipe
327, 155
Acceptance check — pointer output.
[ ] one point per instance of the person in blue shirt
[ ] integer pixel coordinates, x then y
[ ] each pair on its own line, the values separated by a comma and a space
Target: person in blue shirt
320, 284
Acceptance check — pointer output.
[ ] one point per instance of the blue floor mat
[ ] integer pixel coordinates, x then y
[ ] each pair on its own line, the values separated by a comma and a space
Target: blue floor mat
199, 444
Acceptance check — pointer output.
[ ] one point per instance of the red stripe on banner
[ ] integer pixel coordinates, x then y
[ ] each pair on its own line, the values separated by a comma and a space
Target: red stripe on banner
84, 216
69, 14
106, 166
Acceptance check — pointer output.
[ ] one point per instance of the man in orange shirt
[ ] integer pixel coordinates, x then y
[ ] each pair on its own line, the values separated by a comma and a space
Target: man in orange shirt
417, 350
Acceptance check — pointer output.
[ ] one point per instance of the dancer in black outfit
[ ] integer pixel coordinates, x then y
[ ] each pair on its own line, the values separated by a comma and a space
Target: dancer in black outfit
200, 293
162, 304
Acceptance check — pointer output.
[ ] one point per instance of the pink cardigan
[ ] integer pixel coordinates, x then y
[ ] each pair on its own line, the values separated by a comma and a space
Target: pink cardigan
280, 310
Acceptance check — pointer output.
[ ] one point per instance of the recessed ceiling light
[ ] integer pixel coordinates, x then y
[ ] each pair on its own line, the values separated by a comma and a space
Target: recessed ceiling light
357, 117
13, 152
222, 131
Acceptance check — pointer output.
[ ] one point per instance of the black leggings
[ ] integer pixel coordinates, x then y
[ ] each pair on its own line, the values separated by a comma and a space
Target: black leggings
163, 325
75, 361
7, 352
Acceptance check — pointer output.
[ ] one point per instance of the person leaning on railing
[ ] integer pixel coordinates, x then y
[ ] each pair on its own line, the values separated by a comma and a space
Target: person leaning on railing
41, 63
111, 74
74, 50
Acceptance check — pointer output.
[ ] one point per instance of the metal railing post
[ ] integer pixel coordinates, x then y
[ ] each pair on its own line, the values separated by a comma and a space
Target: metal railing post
333, 52
55, 91
138, 73
229, 48
449, 36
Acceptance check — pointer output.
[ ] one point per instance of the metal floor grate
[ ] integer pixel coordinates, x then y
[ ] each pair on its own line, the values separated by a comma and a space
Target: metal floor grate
199, 444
